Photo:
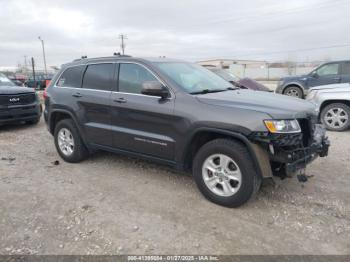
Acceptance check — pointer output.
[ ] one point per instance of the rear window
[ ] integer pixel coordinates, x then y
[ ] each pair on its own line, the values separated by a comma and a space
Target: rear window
346, 68
71, 77
98, 77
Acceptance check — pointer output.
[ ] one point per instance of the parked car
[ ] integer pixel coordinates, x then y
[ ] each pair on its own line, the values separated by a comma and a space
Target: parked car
18, 103
243, 83
333, 103
40, 82
185, 116
325, 74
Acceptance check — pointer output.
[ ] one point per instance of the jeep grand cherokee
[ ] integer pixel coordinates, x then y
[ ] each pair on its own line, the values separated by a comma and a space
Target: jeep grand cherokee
183, 115
18, 103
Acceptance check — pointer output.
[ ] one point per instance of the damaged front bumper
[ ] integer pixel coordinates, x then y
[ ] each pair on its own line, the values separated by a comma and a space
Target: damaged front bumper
290, 153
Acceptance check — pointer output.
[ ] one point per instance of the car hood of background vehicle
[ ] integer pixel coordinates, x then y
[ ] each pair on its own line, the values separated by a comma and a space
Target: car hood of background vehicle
291, 78
252, 84
277, 106
13, 90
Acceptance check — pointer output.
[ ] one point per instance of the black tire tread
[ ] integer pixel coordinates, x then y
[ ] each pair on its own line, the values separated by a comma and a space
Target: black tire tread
81, 152
243, 156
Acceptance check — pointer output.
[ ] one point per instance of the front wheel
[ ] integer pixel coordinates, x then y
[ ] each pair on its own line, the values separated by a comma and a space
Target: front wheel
336, 117
293, 91
223, 171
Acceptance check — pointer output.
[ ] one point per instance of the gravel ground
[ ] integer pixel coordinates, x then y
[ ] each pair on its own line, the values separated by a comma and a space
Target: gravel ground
111, 204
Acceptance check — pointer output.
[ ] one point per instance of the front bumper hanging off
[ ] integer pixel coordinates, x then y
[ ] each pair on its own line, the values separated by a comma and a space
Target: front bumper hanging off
288, 154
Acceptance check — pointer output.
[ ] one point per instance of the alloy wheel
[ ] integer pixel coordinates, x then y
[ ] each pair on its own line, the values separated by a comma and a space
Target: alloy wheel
65, 141
336, 118
221, 175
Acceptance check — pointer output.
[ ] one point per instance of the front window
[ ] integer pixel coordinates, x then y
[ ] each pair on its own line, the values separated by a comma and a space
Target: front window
131, 77
4, 81
193, 78
329, 69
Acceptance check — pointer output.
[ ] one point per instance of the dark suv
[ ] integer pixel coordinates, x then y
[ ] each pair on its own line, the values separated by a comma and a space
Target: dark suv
325, 74
18, 104
182, 115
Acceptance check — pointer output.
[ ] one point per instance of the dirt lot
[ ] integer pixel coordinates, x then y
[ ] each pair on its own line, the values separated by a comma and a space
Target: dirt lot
111, 204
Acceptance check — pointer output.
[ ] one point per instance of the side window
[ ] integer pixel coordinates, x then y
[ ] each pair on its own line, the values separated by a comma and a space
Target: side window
329, 69
346, 68
71, 77
98, 77
131, 77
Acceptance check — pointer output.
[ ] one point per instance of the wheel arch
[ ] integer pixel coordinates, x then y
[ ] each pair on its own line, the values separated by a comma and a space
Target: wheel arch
295, 84
333, 101
203, 135
60, 114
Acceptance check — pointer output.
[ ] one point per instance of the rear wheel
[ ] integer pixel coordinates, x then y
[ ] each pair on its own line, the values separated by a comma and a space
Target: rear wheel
224, 173
293, 91
336, 117
68, 142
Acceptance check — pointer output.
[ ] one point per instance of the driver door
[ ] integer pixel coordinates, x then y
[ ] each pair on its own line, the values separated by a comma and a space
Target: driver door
325, 75
142, 123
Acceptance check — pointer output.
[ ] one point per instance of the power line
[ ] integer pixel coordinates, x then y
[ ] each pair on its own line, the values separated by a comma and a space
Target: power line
297, 50
268, 15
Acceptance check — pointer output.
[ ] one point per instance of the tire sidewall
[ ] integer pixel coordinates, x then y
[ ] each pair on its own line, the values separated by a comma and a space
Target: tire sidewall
68, 124
298, 89
327, 108
246, 189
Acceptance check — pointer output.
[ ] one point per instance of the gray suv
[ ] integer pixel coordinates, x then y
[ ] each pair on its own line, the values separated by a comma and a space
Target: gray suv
325, 74
182, 115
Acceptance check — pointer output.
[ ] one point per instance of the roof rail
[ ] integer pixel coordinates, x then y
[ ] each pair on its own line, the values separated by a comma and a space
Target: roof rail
120, 55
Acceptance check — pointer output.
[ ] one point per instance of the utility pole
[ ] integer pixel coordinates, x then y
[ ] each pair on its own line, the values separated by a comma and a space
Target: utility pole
33, 68
25, 65
122, 45
43, 46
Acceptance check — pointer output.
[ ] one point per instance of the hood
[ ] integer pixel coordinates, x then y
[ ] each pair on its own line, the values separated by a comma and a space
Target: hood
275, 105
252, 84
13, 90
332, 86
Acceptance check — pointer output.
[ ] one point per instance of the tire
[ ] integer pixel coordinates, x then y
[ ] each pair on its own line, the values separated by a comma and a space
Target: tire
33, 122
294, 91
72, 149
239, 156
336, 117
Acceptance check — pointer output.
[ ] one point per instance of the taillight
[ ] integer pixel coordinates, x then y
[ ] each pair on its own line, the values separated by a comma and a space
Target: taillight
45, 94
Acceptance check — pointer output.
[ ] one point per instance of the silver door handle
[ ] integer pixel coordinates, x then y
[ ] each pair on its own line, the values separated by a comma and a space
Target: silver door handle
120, 100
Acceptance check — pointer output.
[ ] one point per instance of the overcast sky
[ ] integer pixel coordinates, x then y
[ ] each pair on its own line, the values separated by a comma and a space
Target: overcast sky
189, 29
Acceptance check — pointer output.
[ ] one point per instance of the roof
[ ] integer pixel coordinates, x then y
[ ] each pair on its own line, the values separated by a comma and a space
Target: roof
83, 61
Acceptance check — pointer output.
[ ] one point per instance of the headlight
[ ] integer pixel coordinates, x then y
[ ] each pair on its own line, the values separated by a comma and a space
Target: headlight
283, 126
311, 95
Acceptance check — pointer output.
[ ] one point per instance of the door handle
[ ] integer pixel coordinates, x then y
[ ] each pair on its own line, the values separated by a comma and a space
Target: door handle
77, 94
120, 100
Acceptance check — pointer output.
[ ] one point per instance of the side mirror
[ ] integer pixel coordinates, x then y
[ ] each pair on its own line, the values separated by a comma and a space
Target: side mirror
154, 88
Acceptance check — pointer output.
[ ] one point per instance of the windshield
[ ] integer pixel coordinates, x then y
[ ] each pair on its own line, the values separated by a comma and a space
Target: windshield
4, 81
225, 75
193, 78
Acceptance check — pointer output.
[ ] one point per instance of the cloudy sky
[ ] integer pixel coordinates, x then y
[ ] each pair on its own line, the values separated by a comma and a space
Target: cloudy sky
272, 30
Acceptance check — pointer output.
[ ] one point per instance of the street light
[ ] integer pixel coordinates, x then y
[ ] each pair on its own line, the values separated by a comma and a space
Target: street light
43, 46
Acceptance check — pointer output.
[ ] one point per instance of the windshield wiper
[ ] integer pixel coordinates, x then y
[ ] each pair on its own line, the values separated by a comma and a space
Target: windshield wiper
206, 91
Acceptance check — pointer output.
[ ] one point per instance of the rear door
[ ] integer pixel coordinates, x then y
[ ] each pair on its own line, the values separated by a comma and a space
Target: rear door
94, 103
345, 72
141, 123
325, 75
